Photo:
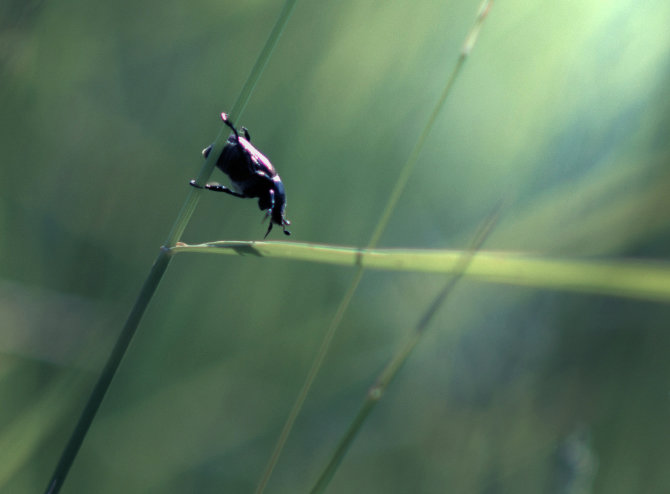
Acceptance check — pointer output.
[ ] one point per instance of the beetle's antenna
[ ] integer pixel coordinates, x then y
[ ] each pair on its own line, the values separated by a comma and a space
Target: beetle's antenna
224, 117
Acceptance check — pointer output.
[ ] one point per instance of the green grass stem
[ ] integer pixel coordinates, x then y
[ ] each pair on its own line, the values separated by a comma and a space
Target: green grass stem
159, 267
413, 158
630, 278
382, 382
382, 223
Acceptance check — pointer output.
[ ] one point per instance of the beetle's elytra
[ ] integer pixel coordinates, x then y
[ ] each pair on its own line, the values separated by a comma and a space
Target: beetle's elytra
251, 175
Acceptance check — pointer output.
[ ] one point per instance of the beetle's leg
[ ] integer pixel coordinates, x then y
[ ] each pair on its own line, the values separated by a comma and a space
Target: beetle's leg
217, 188
283, 225
224, 117
272, 200
268, 212
268, 232
221, 188
206, 151
245, 131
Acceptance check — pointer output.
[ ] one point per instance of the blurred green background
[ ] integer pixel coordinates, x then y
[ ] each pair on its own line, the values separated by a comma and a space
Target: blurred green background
564, 107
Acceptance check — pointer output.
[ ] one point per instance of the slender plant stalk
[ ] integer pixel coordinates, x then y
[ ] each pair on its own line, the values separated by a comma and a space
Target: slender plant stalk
377, 390
311, 375
411, 162
405, 173
159, 267
630, 278
88, 414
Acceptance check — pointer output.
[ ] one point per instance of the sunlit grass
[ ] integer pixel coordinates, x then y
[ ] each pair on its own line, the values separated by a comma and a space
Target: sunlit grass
631, 278
394, 196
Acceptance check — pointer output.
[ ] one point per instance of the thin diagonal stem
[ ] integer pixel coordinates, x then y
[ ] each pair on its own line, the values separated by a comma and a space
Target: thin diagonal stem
405, 173
311, 375
410, 164
382, 382
158, 269
97, 395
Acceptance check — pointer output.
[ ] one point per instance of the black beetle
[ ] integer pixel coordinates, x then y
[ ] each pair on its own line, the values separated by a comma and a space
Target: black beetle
251, 174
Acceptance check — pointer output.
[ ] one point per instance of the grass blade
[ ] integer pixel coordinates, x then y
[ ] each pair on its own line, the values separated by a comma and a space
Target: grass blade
400, 184
630, 278
382, 382
159, 267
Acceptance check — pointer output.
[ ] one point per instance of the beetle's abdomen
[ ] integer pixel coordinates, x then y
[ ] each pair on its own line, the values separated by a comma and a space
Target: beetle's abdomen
234, 162
249, 171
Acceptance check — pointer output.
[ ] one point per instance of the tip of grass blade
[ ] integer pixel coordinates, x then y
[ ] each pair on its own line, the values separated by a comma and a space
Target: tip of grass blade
471, 38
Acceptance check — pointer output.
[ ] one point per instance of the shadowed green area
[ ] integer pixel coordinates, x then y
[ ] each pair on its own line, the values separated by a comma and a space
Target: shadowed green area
563, 107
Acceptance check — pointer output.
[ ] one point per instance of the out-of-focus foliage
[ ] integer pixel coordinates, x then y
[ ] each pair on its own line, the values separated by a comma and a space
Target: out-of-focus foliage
563, 109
